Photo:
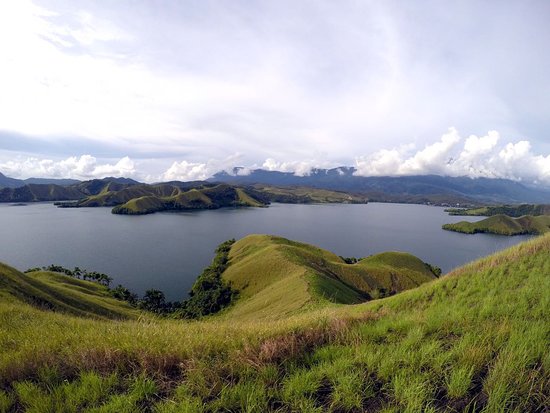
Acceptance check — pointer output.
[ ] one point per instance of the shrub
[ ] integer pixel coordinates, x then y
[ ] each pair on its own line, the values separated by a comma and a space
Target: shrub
210, 293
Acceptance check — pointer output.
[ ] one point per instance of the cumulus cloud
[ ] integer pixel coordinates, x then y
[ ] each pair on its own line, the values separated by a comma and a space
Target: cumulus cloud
299, 168
475, 156
83, 167
196, 171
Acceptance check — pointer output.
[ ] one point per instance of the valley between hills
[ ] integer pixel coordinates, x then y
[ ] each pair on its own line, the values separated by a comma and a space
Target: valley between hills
307, 331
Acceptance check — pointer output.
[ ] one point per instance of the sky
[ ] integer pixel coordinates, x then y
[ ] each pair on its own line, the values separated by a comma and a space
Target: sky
162, 90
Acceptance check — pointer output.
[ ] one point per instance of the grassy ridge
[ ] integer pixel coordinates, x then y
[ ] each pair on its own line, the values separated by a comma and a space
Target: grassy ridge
58, 292
504, 225
277, 277
474, 340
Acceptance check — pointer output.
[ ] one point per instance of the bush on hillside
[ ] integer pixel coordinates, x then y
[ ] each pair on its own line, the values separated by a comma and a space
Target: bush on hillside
210, 293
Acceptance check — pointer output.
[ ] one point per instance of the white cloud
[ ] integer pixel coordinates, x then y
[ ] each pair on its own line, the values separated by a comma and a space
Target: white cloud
299, 168
433, 157
476, 157
83, 167
196, 171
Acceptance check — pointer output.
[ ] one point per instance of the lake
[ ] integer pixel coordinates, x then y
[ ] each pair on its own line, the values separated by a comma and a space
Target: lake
167, 251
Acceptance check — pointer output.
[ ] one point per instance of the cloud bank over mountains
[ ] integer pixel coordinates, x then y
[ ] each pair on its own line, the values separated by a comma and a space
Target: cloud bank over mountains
452, 155
483, 156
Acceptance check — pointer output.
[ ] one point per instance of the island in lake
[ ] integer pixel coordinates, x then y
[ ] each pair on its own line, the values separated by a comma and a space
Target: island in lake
147, 199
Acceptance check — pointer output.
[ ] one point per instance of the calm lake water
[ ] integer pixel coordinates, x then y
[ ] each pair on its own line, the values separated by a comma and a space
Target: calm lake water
168, 251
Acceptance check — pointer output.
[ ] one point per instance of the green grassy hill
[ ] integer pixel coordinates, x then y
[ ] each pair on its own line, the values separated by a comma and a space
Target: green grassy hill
475, 340
58, 292
170, 198
277, 277
504, 225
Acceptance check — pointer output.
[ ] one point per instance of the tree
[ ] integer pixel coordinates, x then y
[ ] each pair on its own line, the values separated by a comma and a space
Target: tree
153, 300
122, 293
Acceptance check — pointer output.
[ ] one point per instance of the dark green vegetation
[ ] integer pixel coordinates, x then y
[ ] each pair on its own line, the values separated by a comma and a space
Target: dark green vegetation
210, 293
474, 340
515, 211
504, 225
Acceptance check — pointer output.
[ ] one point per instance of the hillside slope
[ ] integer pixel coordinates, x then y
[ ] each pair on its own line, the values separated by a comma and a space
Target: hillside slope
503, 225
58, 292
276, 277
475, 340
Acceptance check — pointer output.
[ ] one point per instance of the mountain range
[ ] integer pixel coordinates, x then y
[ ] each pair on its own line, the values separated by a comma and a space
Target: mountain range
7, 182
422, 189
414, 189
33, 192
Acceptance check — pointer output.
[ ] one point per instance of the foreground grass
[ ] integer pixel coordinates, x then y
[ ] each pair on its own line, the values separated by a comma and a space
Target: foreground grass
474, 340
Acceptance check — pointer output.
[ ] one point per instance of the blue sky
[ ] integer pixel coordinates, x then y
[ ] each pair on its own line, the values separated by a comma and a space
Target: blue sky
181, 89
